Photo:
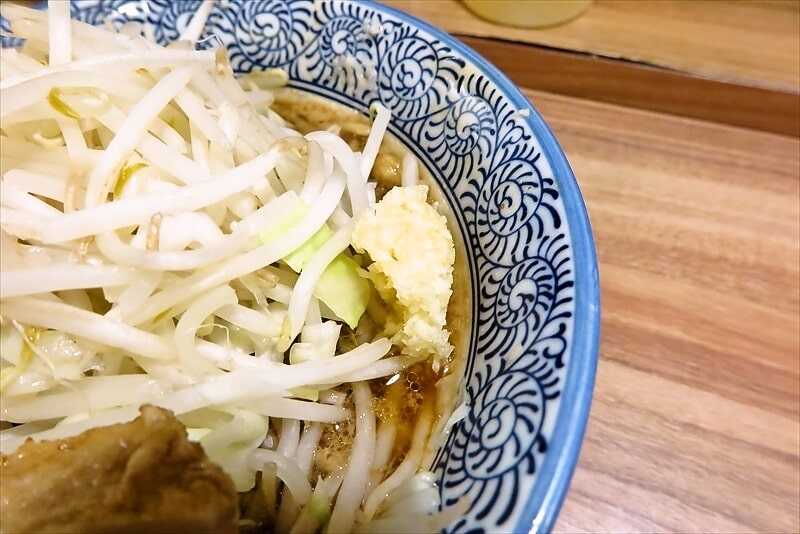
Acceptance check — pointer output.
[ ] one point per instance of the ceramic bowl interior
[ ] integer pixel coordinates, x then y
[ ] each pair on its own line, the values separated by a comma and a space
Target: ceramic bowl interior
532, 348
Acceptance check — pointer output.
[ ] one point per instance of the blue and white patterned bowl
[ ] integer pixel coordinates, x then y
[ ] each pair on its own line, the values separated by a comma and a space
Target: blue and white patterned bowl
534, 339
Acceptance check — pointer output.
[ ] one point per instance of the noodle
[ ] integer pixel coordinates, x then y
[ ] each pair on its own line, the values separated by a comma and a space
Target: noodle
355, 478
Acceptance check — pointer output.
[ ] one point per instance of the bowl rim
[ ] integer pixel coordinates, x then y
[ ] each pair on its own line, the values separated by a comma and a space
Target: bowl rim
555, 473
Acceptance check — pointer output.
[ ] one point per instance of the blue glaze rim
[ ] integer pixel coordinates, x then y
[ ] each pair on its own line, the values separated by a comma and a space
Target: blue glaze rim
556, 472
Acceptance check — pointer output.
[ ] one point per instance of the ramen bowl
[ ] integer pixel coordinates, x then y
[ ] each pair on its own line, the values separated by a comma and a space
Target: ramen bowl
531, 351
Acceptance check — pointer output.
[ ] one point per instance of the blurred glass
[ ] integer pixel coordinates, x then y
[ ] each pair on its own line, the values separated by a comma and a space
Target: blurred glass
528, 13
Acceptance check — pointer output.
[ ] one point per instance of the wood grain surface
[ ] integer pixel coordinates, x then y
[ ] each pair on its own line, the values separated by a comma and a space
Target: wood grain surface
643, 86
694, 425
730, 61
749, 42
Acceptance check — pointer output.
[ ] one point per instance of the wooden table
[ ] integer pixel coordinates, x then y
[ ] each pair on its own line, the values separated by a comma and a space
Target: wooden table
695, 424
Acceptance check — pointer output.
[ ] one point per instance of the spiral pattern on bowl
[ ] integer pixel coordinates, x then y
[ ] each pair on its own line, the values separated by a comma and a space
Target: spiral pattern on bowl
469, 120
506, 213
407, 72
510, 197
508, 415
342, 41
525, 295
173, 18
268, 33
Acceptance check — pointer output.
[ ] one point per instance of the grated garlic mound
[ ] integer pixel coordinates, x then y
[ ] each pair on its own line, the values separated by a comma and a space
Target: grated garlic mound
413, 254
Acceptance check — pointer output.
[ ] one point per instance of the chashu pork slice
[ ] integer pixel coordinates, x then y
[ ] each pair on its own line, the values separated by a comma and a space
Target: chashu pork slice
142, 476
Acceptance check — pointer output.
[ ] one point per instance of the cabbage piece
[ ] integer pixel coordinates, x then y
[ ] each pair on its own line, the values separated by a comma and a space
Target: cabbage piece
341, 288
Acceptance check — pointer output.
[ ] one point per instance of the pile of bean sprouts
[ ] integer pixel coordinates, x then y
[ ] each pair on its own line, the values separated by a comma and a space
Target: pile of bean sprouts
144, 203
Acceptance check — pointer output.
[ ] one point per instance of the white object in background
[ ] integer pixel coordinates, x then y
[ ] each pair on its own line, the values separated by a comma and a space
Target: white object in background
528, 13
